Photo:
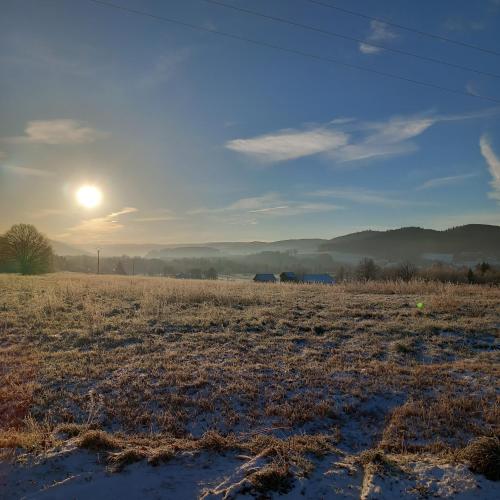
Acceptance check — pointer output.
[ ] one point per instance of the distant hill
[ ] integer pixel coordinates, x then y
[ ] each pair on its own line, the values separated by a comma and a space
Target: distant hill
464, 243
233, 248
66, 250
470, 243
119, 249
184, 252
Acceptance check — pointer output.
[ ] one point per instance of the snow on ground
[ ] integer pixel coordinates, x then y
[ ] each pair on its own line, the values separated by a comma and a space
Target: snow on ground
77, 474
424, 479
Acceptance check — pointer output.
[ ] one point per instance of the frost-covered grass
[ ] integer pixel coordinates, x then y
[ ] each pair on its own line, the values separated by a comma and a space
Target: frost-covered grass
290, 377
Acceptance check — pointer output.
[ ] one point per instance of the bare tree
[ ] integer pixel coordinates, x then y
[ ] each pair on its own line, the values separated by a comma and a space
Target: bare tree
119, 269
406, 271
367, 269
27, 249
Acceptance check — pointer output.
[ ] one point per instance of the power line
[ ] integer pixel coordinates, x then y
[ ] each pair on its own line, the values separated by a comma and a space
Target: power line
348, 37
403, 27
293, 51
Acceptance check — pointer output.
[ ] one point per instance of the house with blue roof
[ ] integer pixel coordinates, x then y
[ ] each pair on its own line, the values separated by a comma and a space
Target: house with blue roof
265, 278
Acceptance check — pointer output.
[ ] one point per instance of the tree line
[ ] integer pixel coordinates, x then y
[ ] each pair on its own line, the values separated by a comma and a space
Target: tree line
23, 249
210, 268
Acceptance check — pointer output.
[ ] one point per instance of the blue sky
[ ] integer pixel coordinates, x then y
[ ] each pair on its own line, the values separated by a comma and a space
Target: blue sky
195, 137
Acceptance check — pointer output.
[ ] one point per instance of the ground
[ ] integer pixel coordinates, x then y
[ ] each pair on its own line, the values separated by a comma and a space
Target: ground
128, 387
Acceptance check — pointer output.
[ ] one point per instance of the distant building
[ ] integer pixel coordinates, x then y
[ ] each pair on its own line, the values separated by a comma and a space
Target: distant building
288, 276
324, 279
265, 278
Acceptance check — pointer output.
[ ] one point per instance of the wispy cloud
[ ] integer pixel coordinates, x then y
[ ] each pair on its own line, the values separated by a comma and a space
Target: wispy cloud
164, 68
97, 227
346, 139
243, 204
385, 138
268, 205
493, 162
444, 181
363, 196
289, 144
60, 131
472, 88
379, 33
296, 208
26, 171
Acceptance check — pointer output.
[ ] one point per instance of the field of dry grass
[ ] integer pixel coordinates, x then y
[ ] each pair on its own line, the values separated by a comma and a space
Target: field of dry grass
340, 386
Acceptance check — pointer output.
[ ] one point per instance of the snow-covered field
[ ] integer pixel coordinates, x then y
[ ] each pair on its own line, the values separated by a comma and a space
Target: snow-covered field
115, 387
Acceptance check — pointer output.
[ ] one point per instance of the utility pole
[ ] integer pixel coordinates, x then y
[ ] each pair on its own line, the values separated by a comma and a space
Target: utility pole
133, 266
98, 253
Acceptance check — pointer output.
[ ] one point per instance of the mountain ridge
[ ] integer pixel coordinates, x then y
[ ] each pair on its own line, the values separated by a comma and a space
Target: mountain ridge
477, 241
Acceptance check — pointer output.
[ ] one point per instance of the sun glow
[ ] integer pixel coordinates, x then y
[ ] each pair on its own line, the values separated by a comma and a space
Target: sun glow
89, 196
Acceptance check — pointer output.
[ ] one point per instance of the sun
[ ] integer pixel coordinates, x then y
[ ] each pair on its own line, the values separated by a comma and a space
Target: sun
89, 196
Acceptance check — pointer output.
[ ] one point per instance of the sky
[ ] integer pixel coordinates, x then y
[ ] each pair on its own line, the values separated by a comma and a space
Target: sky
195, 137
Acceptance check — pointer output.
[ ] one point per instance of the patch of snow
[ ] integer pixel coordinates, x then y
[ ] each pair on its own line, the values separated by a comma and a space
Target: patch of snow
78, 474
424, 479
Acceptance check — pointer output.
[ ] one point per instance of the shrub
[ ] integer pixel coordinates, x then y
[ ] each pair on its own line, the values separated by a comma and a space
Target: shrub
483, 455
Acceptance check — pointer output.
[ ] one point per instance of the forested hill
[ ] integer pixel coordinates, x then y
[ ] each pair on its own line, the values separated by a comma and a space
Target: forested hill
474, 240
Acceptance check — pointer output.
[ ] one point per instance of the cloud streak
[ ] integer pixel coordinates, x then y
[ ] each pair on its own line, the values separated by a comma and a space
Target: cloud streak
364, 197
164, 68
345, 140
60, 131
493, 162
444, 181
92, 229
267, 205
289, 144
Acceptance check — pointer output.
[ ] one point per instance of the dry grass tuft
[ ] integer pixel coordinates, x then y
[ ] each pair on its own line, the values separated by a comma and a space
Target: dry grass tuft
160, 455
34, 436
272, 477
98, 441
440, 424
213, 440
371, 457
120, 459
483, 456
17, 375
